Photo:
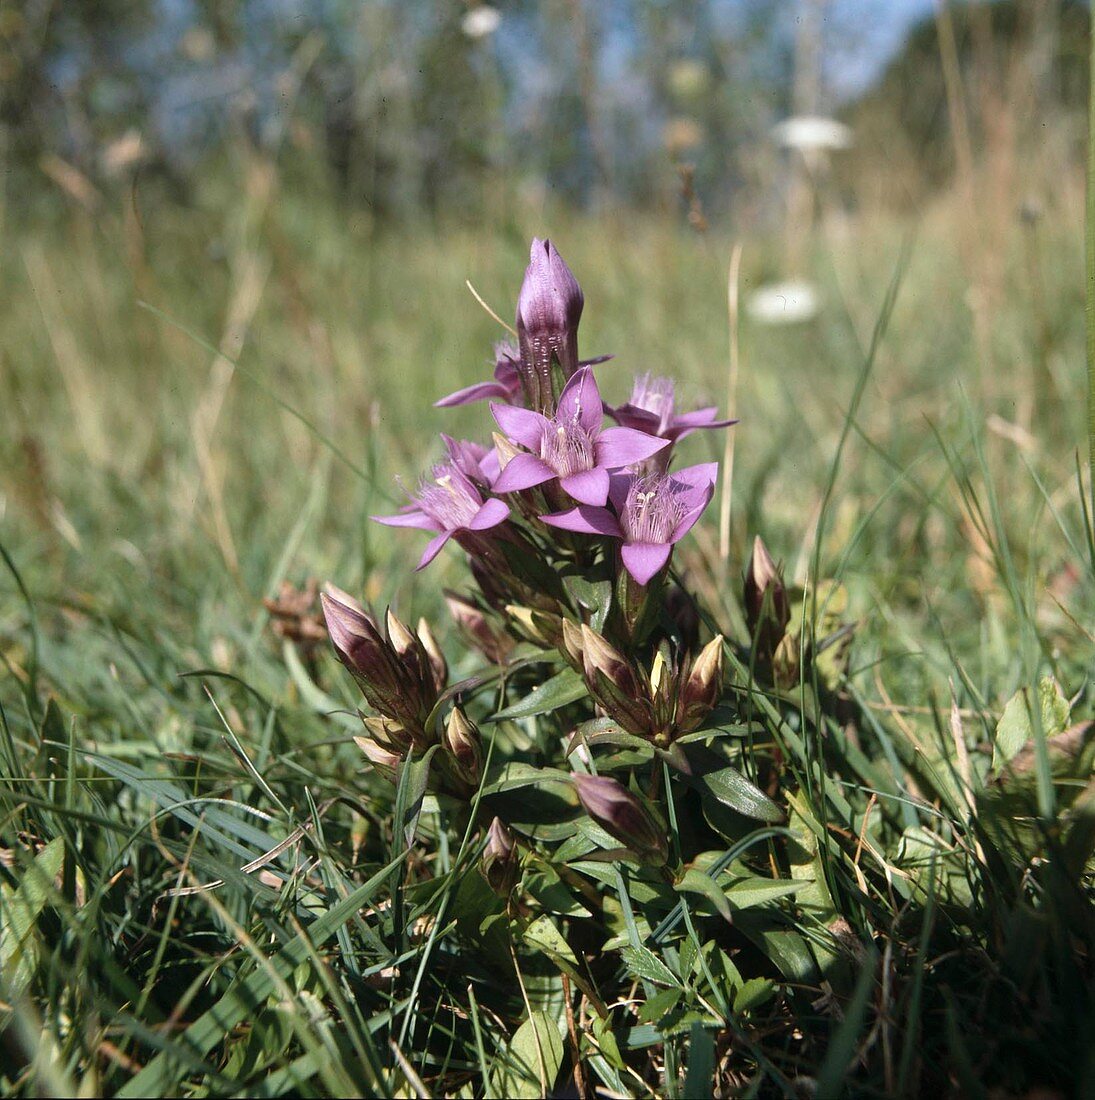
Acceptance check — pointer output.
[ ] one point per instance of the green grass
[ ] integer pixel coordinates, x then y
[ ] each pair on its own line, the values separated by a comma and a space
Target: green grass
152, 721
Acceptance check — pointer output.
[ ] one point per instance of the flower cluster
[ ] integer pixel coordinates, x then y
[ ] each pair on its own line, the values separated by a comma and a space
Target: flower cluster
569, 522
554, 460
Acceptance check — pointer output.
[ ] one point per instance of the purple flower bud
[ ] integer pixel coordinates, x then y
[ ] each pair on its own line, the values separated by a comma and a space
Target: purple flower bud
703, 688
464, 745
615, 683
767, 609
549, 308
570, 645
364, 651
621, 814
499, 862
481, 629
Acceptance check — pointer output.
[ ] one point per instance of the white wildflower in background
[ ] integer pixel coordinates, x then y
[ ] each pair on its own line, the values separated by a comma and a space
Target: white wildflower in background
784, 303
809, 134
481, 22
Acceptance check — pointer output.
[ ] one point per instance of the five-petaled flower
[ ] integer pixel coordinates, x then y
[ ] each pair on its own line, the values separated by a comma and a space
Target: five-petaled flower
650, 512
449, 503
652, 409
571, 446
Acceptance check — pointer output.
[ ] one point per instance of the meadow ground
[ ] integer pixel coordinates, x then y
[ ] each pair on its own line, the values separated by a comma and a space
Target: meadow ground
152, 495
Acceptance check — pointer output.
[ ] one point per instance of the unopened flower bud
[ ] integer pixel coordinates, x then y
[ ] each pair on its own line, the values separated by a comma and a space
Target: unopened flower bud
363, 650
703, 688
621, 814
438, 665
548, 311
389, 734
480, 629
767, 610
662, 691
614, 683
419, 675
499, 861
570, 644
464, 746
384, 762
541, 627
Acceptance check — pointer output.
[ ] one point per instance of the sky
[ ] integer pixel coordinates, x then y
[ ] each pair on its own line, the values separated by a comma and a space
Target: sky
864, 35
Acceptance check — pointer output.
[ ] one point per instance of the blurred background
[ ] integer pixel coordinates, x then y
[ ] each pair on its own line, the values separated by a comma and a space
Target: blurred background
236, 238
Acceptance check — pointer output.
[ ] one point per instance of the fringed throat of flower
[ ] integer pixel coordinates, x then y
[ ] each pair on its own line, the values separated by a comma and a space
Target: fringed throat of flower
655, 504
656, 395
568, 448
449, 498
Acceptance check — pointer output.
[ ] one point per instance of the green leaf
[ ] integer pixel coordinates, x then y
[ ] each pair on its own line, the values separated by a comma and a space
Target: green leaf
694, 881
517, 774
563, 688
162, 1074
701, 1063
593, 597
543, 935
757, 891
643, 963
656, 1008
1016, 726
415, 774
753, 994
532, 1060
19, 913
732, 789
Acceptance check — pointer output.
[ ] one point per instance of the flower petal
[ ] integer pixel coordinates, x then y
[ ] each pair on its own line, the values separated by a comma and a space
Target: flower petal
586, 520
644, 559
479, 392
433, 548
587, 486
688, 520
490, 466
493, 512
522, 472
521, 425
581, 401
411, 518
700, 476
631, 416
619, 485
616, 447
687, 423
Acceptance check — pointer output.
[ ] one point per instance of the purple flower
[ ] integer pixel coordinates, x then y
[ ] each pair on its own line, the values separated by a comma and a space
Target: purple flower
449, 503
571, 446
650, 512
549, 308
505, 387
651, 409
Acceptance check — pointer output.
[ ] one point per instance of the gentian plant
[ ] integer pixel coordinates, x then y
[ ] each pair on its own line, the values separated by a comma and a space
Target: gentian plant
599, 746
